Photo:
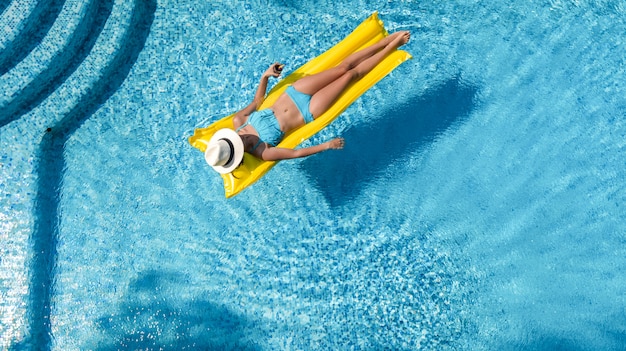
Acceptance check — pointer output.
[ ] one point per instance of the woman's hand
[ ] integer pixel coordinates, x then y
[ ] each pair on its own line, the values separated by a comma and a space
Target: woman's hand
274, 70
336, 143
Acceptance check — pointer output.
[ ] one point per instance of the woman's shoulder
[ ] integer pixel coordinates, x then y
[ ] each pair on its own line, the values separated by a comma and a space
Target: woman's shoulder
240, 118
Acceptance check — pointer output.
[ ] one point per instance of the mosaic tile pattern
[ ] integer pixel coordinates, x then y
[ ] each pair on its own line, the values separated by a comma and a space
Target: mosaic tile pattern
487, 217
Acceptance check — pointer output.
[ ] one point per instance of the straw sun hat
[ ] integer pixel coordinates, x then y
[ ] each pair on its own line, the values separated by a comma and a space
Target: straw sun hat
224, 151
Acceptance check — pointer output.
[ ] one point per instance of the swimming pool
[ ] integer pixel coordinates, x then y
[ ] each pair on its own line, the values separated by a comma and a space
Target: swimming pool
478, 204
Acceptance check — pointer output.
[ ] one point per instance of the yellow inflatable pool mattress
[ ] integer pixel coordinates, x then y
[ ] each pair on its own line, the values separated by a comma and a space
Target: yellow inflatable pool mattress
367, 33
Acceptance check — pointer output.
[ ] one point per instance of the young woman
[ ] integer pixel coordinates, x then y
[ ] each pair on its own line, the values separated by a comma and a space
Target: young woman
258, 132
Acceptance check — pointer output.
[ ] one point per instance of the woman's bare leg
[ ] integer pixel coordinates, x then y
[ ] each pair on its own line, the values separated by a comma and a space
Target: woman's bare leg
326, 96
313, 83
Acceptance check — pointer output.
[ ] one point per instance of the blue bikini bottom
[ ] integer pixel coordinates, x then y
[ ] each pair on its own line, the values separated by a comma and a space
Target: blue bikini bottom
302, 102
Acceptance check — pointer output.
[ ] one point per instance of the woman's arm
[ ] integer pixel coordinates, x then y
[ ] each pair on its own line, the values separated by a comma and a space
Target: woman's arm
278, 153
241, 116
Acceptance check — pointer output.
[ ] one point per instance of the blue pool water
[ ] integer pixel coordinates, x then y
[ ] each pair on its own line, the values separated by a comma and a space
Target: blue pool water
478, 204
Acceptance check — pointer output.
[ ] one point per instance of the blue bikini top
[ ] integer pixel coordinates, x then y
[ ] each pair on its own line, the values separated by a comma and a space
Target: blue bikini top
266, 124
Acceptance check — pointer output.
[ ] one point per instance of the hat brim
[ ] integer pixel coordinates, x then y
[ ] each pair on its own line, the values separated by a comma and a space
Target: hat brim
238, 149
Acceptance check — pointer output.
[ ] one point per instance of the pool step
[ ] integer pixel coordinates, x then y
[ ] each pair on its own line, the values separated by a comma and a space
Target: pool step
57, 56
88, 79
37, 25
72, 92
13, 19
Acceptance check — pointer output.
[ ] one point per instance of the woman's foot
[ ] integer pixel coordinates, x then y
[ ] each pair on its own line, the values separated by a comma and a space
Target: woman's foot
400, 38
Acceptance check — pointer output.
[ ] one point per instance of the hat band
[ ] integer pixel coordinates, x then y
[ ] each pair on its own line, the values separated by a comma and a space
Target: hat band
232, 151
